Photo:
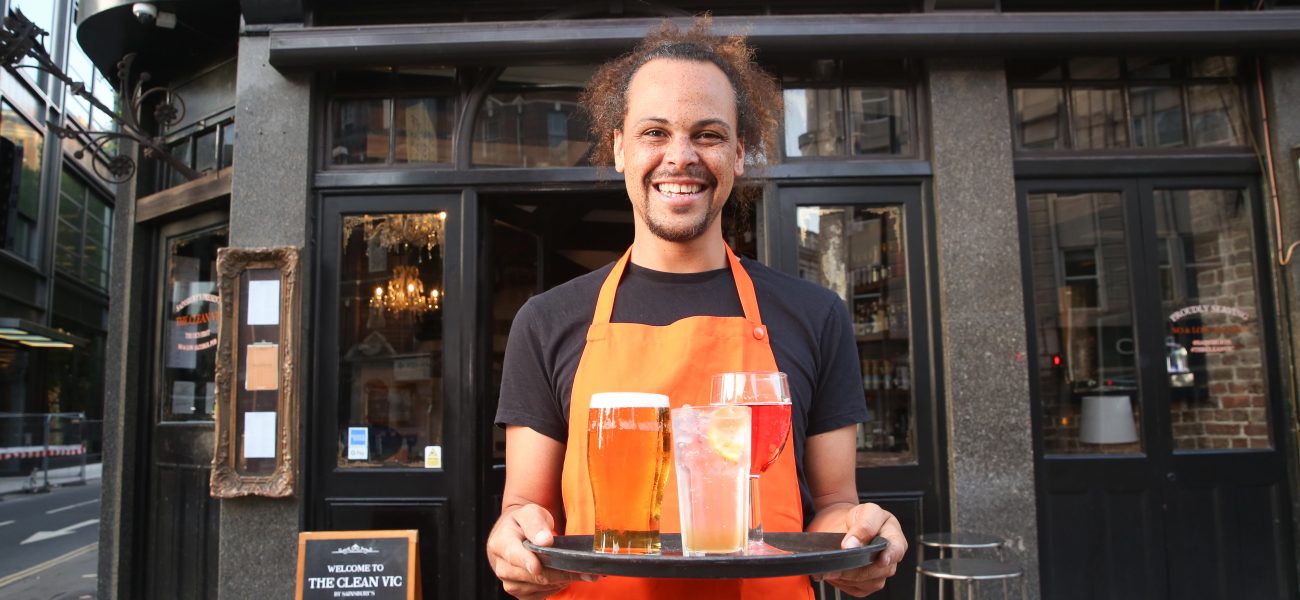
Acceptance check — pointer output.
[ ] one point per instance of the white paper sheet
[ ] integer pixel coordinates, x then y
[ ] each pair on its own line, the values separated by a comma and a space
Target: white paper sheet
264, 302
358, 443
259, 435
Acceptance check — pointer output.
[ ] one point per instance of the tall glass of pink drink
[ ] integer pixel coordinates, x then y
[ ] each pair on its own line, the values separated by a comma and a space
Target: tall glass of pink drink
767, 394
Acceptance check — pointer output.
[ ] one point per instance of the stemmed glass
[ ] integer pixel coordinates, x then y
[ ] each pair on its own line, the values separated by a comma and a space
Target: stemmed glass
767, 393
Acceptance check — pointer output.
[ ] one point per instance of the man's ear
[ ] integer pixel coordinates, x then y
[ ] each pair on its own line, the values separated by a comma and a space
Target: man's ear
618, 150
740, 158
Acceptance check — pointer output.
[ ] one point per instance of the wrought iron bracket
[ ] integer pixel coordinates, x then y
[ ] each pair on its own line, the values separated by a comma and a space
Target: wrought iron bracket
19, 40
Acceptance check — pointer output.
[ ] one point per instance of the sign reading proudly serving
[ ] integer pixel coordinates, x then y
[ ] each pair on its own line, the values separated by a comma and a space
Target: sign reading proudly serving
381, 565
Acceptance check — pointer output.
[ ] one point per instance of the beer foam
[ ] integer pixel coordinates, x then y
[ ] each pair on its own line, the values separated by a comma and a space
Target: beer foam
628, 400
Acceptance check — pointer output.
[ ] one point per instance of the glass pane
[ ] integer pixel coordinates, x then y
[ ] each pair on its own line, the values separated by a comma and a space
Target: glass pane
532, 119
1157, 116
1087, 369
1218, 118
1040, 118
1213, 66
880, 121
1099, 119
424, 128
543, 128
182, 152
1150, 68
814, 121
391, 339
857, 251
205, 151
21, 150
359, 133
1094, 68
227, 145
66, 250
191, 316
41, 14
1214, 353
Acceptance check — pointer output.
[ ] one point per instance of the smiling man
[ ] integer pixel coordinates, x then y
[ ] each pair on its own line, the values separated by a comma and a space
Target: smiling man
680, 116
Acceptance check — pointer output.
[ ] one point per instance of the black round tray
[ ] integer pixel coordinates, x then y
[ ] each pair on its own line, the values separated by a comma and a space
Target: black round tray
809, 554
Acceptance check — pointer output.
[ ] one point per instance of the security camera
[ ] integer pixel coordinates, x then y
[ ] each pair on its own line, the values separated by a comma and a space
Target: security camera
144, 12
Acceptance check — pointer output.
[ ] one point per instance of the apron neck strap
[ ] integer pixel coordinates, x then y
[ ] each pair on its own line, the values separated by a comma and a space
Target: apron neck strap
744, 287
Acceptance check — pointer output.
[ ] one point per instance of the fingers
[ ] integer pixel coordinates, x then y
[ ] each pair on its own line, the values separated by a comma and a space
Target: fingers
521, 573
865, 522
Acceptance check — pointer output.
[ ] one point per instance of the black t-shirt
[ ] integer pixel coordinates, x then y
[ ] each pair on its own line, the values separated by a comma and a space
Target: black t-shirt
809, 327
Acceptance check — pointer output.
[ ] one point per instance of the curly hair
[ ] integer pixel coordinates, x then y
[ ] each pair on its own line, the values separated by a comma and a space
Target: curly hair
758, 97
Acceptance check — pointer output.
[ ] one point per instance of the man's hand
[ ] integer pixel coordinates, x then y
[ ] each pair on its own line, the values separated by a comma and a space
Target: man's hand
864, 522
519, 570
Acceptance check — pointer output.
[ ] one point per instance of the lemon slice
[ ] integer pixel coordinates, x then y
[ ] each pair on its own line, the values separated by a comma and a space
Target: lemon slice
727, 432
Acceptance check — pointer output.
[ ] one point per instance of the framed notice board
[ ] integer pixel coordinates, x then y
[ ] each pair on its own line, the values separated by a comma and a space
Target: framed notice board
382, 565
257, 400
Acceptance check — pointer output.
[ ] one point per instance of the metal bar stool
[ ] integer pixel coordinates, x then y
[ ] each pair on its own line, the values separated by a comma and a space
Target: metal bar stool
968, 571
957, 541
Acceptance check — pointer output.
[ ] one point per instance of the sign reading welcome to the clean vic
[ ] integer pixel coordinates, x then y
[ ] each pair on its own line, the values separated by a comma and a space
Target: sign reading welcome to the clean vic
377, 565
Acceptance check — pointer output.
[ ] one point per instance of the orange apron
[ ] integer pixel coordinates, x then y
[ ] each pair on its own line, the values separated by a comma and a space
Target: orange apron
676, 360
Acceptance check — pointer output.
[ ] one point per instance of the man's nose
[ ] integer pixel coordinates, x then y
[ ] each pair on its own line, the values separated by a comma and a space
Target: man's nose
681, 151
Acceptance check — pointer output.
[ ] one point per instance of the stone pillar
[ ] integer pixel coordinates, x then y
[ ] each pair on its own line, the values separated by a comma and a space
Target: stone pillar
981, 303
269, 205
1282, 78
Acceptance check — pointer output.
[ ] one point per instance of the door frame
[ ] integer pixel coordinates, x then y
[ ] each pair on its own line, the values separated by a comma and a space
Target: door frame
890, 486
1156, 470
447, 498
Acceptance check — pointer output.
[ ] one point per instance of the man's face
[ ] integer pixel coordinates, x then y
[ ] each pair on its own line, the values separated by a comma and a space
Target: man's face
678, 149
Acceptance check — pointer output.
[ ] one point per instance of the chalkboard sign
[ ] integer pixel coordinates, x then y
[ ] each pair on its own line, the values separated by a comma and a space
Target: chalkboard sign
378, 565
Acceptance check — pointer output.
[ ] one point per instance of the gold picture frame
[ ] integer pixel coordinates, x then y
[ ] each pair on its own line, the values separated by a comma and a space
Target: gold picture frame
257, 355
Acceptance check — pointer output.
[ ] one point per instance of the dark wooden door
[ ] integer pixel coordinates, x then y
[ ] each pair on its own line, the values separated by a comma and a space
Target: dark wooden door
390, 445
1156, 405
866, 244
180, 523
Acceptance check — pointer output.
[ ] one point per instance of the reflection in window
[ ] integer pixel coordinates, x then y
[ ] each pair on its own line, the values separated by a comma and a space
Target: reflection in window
532, 119
1150, 103
423, 129
85, 225
852, 121
1213, 337
1087, 369
360, 132
21, 158
191, 317
857, 251
391, 339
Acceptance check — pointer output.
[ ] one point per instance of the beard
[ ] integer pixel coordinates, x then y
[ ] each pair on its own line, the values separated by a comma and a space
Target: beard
683, 232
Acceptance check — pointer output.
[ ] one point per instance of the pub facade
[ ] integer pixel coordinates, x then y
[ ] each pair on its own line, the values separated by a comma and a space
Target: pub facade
1062, 230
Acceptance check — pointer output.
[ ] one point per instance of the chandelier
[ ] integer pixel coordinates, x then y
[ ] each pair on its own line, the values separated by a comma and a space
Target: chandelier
399, 232
405, 292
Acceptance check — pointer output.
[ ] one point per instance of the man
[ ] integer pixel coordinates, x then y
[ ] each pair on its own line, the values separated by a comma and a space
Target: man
677, 117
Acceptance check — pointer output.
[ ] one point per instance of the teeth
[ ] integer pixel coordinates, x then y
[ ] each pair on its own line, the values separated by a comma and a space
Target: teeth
679, 188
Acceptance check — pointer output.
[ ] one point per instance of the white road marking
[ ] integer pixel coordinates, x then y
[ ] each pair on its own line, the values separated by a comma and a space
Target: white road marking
3, 523
45, 535
29, 571
70, 506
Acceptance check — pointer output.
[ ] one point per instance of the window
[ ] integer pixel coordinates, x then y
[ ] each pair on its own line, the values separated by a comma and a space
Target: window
845, 108
84, 233
80, 110
21, 157
204, 150
412, 124
1111, 103
532, 119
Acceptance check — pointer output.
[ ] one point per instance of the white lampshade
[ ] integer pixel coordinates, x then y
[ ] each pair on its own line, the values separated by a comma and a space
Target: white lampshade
1107, 420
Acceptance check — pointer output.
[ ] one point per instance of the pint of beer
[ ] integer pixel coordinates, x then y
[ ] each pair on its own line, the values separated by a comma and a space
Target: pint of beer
628, 442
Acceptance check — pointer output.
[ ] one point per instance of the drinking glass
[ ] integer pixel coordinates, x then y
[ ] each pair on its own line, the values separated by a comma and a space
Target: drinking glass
711, 454
628, 443
767, 394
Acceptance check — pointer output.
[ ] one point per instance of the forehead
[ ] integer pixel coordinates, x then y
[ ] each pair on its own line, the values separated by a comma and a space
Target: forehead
677, 89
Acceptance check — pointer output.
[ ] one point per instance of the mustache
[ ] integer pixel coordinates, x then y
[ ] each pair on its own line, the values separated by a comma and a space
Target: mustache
692, 172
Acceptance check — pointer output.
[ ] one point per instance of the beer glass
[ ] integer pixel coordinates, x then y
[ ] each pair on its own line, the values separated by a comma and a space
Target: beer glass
628, 442
767, 394
711, 452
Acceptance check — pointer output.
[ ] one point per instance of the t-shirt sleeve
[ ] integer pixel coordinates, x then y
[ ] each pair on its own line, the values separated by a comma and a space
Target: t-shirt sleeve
528, 396
839, 399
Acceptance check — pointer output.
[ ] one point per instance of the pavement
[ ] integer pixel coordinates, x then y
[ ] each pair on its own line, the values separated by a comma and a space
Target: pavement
57, 477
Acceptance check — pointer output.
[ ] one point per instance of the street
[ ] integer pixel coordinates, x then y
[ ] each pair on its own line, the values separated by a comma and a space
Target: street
48, 543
